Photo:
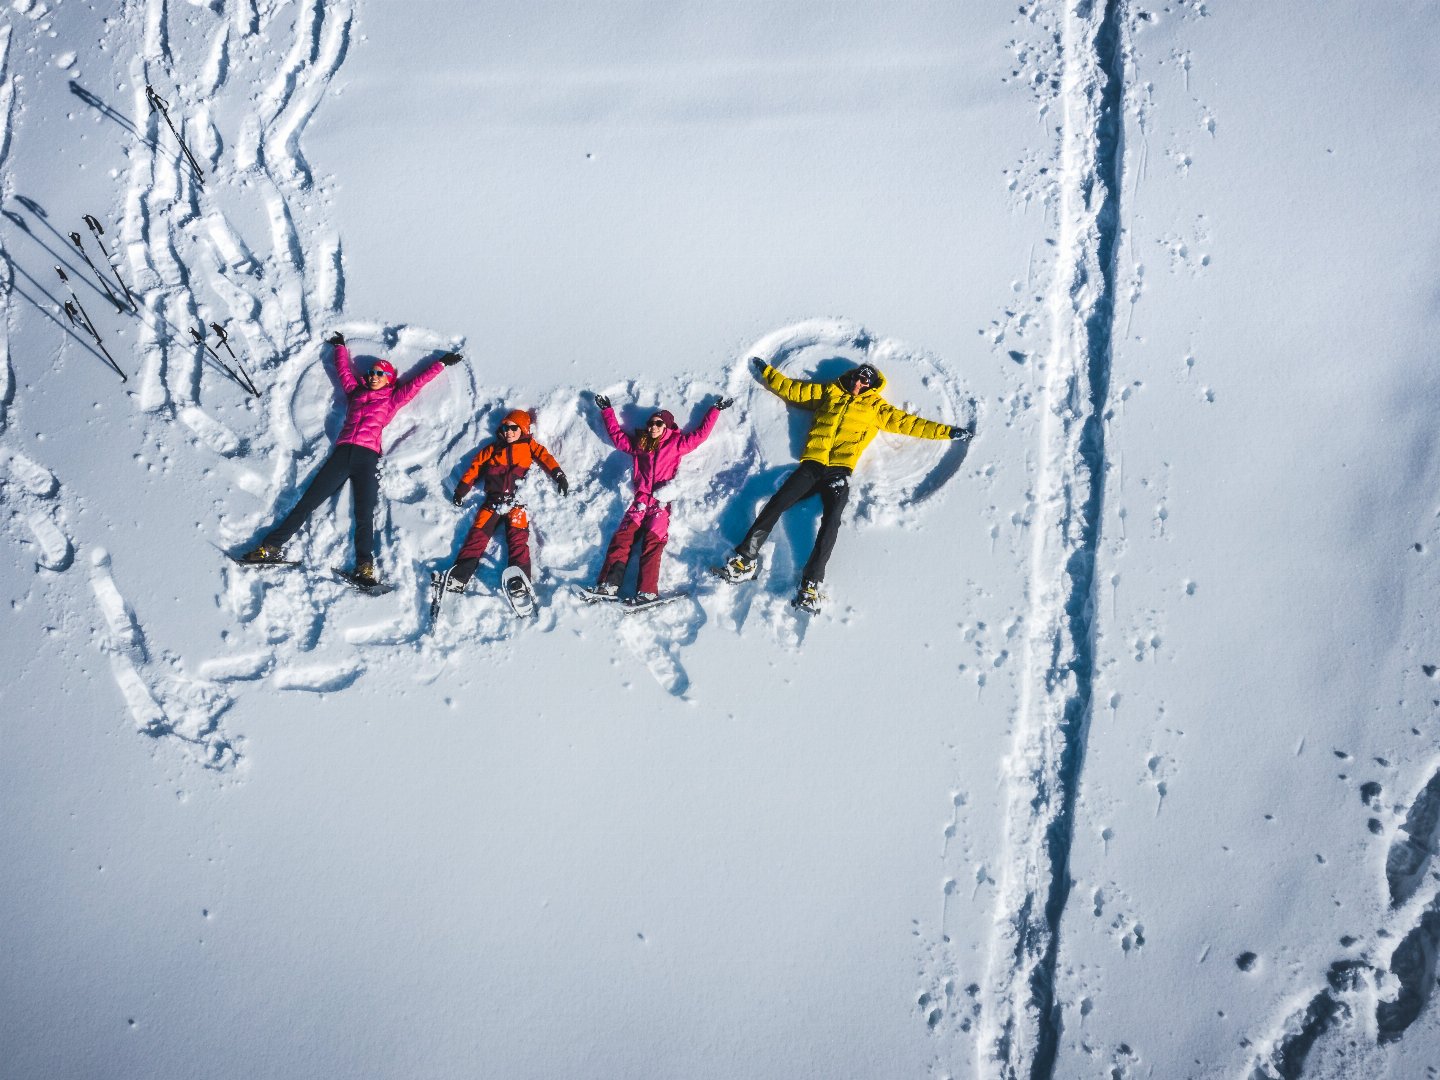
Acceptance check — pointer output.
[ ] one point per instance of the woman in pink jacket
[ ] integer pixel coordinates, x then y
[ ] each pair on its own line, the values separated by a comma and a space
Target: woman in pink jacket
656, 450
373, 400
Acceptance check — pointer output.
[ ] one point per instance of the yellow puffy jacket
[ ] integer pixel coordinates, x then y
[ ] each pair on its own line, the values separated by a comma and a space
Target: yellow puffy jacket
844, 422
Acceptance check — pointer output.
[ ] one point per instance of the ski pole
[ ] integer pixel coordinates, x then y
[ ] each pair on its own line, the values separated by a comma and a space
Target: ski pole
199, 336
157, 103
225, 340
80, 317
99, 231
104, 284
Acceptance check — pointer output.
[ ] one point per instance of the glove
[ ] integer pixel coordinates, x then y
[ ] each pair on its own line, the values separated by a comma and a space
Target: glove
601, 401
336, 338
450, 359
724, 403
461, 490
758, 364
561, 482
961, 432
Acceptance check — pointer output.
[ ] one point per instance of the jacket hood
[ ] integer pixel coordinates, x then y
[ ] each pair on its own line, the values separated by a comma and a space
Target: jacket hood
519, 417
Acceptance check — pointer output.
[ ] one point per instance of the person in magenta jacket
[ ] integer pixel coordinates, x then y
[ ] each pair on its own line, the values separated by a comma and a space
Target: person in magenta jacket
373, 399
656, 450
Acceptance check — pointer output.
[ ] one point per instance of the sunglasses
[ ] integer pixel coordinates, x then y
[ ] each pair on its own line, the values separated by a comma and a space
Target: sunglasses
509, 427
377, 371
656, 423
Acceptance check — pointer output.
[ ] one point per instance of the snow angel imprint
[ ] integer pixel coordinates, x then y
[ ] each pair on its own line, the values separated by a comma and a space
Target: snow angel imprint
372, 400
849, 412
498, 467
655, 451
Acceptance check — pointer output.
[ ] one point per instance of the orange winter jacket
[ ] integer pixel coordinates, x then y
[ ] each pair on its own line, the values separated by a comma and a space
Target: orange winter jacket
844, 422
500, 465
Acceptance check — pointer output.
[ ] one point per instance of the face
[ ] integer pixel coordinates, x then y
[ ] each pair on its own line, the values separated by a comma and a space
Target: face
376, 378
509, 432
860, 380
656, 427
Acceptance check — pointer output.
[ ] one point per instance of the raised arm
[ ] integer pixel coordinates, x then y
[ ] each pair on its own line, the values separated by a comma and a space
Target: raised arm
408, 388
343, 367
900, 422
615, 431
689, 440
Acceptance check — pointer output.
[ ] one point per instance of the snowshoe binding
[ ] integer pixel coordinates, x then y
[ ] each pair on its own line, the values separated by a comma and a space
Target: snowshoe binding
519, 592
736, 569
264, 556
597, 594
808, 597
364, 580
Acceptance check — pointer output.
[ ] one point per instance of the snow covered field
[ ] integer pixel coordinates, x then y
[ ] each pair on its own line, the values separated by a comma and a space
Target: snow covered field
1114, 752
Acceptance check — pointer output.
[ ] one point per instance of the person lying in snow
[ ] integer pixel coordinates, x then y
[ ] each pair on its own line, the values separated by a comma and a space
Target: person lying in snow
655, 450
372, 400
499, 466
849, 411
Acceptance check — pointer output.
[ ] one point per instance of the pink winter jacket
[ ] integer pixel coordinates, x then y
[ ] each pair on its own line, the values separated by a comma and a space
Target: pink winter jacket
370, 410
653, 469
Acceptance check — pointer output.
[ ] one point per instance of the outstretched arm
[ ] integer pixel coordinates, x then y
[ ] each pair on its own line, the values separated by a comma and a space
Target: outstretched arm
805, 394
901, 422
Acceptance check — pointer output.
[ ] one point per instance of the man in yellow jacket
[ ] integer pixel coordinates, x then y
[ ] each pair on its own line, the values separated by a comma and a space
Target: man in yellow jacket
849, 411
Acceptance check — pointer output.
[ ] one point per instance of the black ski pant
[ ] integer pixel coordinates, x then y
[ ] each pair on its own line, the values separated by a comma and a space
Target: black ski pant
361, 467
832, 484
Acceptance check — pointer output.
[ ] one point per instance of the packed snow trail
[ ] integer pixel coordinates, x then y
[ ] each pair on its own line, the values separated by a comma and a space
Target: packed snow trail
1020, 1027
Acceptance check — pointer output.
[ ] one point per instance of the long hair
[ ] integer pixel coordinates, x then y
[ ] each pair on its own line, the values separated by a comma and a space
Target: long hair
644, 441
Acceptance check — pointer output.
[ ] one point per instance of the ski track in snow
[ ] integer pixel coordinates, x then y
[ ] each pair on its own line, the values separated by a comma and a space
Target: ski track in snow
1019, 1029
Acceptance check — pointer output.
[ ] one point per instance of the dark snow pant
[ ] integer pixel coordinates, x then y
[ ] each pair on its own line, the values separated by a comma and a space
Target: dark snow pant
517, 538
648, 522
832, 484
361, 467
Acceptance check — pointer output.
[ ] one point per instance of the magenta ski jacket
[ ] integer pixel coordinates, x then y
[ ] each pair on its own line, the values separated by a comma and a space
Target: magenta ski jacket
653, 469
370, 410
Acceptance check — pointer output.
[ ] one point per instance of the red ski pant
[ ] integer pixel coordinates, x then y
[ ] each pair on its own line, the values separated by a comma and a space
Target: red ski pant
649, 522
517, 538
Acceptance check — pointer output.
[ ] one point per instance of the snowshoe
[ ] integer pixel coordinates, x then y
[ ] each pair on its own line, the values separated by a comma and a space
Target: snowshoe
440, 584
645, 601
518, 590
369, 584
808, 598
736, 569
598, 593
264, 556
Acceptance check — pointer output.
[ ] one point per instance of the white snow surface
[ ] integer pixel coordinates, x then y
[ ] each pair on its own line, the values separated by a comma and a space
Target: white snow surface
1116, 749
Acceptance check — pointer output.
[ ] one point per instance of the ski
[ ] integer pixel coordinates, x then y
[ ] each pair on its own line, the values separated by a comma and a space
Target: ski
378, 589
519, 592
93, 224
635, 606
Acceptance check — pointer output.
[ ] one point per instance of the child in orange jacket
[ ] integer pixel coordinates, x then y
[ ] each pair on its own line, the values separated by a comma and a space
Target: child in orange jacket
499, 466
